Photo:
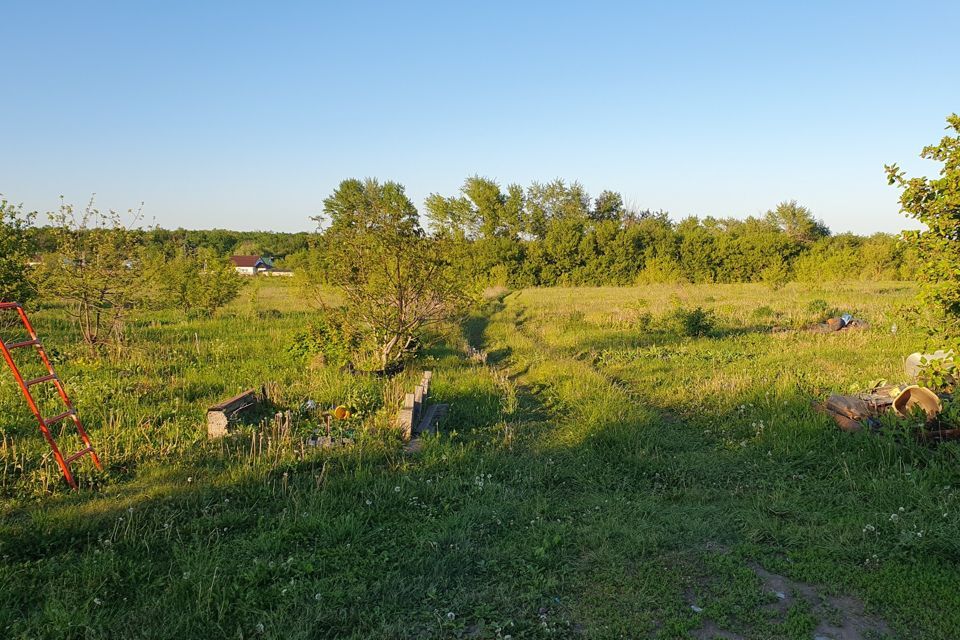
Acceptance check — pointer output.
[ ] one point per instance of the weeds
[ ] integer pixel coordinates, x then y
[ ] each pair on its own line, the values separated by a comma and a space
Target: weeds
589, 479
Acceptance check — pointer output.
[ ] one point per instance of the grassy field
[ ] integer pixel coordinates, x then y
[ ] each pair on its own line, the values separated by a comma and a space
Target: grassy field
601, 476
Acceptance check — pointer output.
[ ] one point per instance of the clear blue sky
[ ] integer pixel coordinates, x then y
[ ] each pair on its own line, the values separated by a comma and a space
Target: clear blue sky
246, 115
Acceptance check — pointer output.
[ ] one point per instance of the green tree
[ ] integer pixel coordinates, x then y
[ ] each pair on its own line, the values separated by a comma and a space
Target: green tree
193, 280
14, 247
554, 201
797, 222
607, 206
395, 280
935, 203
96, 269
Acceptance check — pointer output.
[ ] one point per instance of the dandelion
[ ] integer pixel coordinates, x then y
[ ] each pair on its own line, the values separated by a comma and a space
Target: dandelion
451, 615
317, 597
894, 517
396, 489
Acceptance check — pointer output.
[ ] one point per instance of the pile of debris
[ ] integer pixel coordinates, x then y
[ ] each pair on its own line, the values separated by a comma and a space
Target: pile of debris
846, 321
856, 411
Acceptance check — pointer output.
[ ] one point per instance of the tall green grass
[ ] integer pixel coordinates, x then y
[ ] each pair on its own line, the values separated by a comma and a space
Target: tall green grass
596, 477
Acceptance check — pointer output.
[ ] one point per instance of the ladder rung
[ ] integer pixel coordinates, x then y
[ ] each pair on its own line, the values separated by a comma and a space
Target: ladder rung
9, 305
56, 419
26, 343
48, 378
78, 454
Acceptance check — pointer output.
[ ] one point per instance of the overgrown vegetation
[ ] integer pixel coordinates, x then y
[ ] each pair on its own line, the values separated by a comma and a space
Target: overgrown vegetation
13, 254
395, 281
617, 462
594, 478
95, 270
936, 204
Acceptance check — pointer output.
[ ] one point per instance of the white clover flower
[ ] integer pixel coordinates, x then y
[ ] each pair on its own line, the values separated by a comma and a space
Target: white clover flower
451, 615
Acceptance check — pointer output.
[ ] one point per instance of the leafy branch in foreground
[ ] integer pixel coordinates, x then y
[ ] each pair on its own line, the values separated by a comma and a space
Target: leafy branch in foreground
936, 204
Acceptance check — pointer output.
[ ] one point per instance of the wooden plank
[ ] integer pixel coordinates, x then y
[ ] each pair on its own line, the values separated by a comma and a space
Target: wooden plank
406, 418
431, 418
417, 403
221, 416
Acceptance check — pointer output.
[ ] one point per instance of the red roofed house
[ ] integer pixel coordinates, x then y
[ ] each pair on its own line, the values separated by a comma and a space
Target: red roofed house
250, 265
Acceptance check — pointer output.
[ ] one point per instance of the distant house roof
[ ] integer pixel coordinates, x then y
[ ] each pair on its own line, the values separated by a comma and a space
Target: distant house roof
247, 261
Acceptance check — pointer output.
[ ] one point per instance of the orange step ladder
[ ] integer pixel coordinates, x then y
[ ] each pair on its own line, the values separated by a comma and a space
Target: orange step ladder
25, 385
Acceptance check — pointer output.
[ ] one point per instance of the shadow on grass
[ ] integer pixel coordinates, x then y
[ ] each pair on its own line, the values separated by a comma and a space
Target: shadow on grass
594, 519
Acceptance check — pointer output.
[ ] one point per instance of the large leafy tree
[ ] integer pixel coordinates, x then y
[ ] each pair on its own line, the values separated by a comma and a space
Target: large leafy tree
935, 202
798, 222
14, 255
481, 211
608, 206
395, 280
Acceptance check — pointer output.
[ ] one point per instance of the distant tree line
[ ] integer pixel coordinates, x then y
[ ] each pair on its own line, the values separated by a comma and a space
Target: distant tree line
220, 242
555, 234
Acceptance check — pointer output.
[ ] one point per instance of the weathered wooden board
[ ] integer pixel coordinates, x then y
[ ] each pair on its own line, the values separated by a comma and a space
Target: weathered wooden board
221, 416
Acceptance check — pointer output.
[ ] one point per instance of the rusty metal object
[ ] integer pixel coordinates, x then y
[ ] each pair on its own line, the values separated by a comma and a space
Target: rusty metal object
52, 378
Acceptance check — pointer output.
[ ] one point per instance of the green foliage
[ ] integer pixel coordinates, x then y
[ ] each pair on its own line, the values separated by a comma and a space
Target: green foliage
192, 281
765, 312
96, 268
940, 375
704, 455
935, 203
224, 243
331, 336
551, 234
395, 281
14, 285
797, 222
692, 323
820, 308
